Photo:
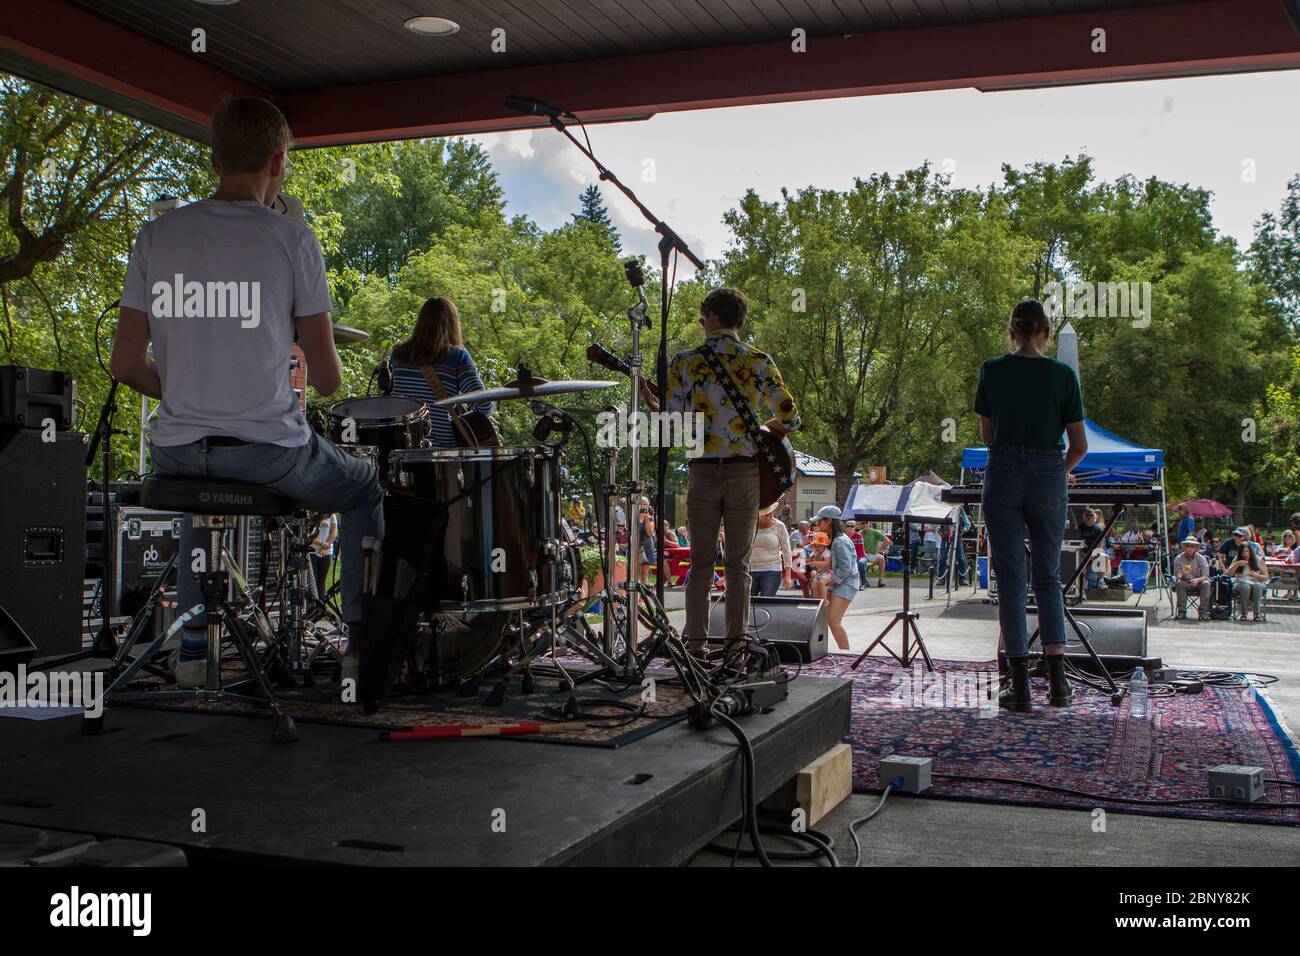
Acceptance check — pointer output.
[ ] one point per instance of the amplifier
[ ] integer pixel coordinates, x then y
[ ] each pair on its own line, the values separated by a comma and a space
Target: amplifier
795, 625
31, 396
43, 535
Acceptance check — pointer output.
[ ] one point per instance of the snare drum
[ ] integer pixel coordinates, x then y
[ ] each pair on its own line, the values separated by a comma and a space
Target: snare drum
503, 548
386, 422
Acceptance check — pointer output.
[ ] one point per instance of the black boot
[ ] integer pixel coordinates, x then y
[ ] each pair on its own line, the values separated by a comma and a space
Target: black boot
1059, 691
1016, 697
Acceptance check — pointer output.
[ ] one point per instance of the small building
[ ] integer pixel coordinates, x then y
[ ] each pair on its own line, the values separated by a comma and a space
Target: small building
814, 487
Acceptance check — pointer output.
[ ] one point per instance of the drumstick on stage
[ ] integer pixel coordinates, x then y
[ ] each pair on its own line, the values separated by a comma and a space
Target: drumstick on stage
451, 731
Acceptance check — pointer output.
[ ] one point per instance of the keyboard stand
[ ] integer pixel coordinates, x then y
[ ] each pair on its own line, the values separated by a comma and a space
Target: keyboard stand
1115, 513
907, 617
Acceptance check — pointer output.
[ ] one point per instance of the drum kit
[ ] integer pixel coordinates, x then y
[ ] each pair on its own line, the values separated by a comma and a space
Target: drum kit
498, 581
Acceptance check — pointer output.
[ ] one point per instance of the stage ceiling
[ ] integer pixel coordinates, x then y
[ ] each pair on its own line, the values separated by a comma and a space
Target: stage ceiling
349, 71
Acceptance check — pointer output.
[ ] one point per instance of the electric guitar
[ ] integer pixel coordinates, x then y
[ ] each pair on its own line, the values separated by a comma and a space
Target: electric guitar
771, 485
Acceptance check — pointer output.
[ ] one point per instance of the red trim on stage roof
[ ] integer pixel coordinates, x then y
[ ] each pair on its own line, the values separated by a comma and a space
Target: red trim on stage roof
91, 56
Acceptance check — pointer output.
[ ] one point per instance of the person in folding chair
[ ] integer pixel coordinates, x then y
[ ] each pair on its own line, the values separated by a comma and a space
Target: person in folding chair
1026, 401
220, 287
433, 364
1192, 573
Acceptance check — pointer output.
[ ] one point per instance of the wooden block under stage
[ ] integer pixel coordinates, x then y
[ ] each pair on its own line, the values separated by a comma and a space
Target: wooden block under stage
819, 787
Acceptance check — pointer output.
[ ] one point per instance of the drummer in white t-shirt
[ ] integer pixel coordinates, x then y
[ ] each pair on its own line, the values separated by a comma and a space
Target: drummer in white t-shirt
220, 287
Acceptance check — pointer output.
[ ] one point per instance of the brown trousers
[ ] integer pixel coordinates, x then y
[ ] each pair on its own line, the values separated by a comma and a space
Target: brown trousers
717, 494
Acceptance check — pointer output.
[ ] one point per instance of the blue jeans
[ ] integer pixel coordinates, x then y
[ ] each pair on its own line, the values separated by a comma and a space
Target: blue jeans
766, 583
1250, 593
1024, 496
316, 475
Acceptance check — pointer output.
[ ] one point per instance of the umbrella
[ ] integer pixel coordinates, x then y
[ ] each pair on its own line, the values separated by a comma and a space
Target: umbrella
1203, 508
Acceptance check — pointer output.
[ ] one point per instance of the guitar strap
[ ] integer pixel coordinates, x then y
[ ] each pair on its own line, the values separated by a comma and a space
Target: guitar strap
762, 450
463, 431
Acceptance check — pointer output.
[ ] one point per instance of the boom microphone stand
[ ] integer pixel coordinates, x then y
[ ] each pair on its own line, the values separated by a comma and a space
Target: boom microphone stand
669, 243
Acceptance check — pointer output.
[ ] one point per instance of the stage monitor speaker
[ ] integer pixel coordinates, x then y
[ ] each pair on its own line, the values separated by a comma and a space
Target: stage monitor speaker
1117, 632
795, 625
43, 535
15, 646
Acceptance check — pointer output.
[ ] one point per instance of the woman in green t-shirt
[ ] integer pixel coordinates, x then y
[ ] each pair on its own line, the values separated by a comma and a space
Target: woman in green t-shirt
1025, 401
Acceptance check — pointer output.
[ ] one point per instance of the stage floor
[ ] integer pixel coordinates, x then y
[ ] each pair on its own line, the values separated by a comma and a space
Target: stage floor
340, 796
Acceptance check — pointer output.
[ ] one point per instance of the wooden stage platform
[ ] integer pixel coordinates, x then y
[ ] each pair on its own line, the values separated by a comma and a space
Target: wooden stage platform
340, 796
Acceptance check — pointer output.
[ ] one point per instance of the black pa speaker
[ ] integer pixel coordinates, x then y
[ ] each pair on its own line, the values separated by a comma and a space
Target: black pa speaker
1118, 632
43, 535
795, 625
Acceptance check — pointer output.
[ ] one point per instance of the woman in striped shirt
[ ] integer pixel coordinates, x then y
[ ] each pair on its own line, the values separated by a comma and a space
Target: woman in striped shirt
436, 344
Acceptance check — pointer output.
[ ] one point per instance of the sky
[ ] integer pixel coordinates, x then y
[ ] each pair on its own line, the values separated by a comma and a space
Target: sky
1236, 135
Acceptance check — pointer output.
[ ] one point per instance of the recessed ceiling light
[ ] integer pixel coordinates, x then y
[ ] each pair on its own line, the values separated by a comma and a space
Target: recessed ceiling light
218, 3
432, 26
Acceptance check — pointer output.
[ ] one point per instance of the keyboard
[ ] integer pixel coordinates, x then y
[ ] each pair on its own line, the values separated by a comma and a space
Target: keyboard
1099, 495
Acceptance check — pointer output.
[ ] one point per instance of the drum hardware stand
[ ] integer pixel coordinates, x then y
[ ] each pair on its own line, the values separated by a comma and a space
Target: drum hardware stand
123, 663
222, 614
907, 617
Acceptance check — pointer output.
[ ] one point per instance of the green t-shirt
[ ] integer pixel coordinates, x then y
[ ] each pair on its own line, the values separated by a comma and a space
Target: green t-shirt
1030, 400
871, 539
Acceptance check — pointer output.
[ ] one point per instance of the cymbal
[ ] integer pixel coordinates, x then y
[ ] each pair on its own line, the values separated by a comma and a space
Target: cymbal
529, 388
346, 336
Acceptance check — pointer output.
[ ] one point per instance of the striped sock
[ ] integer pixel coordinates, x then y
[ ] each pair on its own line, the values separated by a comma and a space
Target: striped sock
194, 644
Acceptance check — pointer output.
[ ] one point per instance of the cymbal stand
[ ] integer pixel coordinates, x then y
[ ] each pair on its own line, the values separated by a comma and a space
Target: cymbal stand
639, 320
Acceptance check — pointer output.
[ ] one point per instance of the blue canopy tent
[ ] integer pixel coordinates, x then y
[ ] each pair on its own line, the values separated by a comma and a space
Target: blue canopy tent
1110, 460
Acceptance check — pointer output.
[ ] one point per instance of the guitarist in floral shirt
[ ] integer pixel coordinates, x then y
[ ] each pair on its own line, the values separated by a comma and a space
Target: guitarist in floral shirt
724, 480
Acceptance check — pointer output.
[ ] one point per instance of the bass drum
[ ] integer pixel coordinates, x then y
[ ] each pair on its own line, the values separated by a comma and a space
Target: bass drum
503, 548
459, 645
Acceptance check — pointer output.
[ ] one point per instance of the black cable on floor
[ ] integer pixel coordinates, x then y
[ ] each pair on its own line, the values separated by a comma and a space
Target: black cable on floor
822, 845
853, 831
748, 786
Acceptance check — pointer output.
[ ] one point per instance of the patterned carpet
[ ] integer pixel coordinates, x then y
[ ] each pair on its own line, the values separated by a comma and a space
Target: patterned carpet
1090, 746
614, 716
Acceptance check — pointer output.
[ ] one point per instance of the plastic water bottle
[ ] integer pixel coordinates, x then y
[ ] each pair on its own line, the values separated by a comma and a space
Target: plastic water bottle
1137, 690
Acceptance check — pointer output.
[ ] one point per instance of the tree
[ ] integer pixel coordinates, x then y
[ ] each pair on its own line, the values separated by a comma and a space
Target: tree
866, 297
1275, 254
393, 200
77, 183
593, 212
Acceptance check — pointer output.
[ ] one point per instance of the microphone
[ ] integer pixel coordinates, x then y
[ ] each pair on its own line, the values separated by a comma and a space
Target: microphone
531, 106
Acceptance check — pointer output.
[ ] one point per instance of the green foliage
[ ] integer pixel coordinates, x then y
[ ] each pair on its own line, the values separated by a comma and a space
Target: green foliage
594, 213
1275, 254
878, 302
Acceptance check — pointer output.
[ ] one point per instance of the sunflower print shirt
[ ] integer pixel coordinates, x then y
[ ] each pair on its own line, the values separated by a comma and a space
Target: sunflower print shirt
692, 388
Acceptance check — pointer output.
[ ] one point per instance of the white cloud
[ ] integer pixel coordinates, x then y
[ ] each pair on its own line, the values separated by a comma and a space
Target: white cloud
705, 159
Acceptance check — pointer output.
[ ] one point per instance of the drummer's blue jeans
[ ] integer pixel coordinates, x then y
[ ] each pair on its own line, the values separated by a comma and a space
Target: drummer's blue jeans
1024, 497
316, 475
